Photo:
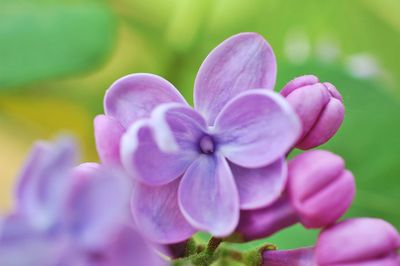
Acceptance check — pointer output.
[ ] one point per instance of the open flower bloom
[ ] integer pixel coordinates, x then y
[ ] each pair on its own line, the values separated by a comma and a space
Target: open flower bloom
70, 216
196, 168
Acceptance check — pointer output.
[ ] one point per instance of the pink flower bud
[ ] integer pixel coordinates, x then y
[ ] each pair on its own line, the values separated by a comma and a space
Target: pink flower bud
319, 107
320, 188
361, 241
319, 192
356, 242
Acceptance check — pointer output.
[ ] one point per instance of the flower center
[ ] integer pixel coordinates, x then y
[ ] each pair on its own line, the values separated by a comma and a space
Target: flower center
206, 144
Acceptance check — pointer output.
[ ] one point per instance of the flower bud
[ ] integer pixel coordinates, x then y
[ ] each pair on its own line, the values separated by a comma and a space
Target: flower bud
319, 107
319, 191
320, 188
361, 241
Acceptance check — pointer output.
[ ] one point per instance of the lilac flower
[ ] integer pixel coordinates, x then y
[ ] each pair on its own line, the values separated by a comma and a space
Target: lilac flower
70, 216
319, 106
359, 241
196, 168
320, 190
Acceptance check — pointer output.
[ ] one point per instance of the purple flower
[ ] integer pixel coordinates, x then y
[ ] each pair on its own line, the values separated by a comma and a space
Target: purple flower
196, 168
319, 106
70, 216
359, 241
320, 190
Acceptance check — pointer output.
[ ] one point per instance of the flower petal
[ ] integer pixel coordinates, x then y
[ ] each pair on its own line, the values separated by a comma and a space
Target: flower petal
23, 245
266, 221
309, 102
14, 227
297, 83
156, 213
41, 190
97, 203
208, 196
108, 132
185, 125
127, 248
244, 61
135, 96
258, 187
256, 128
158, 150
329, 123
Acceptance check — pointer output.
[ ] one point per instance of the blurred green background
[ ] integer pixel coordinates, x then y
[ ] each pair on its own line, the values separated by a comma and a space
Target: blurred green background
57, 58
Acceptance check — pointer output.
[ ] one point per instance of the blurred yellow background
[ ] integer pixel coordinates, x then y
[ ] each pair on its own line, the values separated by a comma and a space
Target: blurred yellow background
57, 58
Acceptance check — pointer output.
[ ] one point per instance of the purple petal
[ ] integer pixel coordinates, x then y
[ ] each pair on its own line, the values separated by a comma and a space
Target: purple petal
15, 227
330, 120
156, 213
297, 83
320, 188
264, 222
23, 245
97, 204
41, 190
35, 158
244, 61
127, 248
185, 125
159, 150
135, 96
259, 187
309, 102
256, 128
208, 196
108, 132
333, 91
143, 159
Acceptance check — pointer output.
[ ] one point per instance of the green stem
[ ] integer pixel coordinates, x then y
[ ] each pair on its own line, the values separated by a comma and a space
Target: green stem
213, 244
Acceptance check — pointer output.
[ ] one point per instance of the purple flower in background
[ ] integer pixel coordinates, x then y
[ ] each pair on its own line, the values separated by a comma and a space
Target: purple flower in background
319, 106
70, 216
359, 241
319, 191
196, 168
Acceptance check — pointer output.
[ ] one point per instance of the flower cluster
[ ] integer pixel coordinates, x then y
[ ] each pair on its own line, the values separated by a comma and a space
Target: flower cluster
221, 167
71, 215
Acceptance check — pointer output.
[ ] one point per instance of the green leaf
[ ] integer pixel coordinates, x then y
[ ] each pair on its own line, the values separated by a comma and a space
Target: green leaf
41, 40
